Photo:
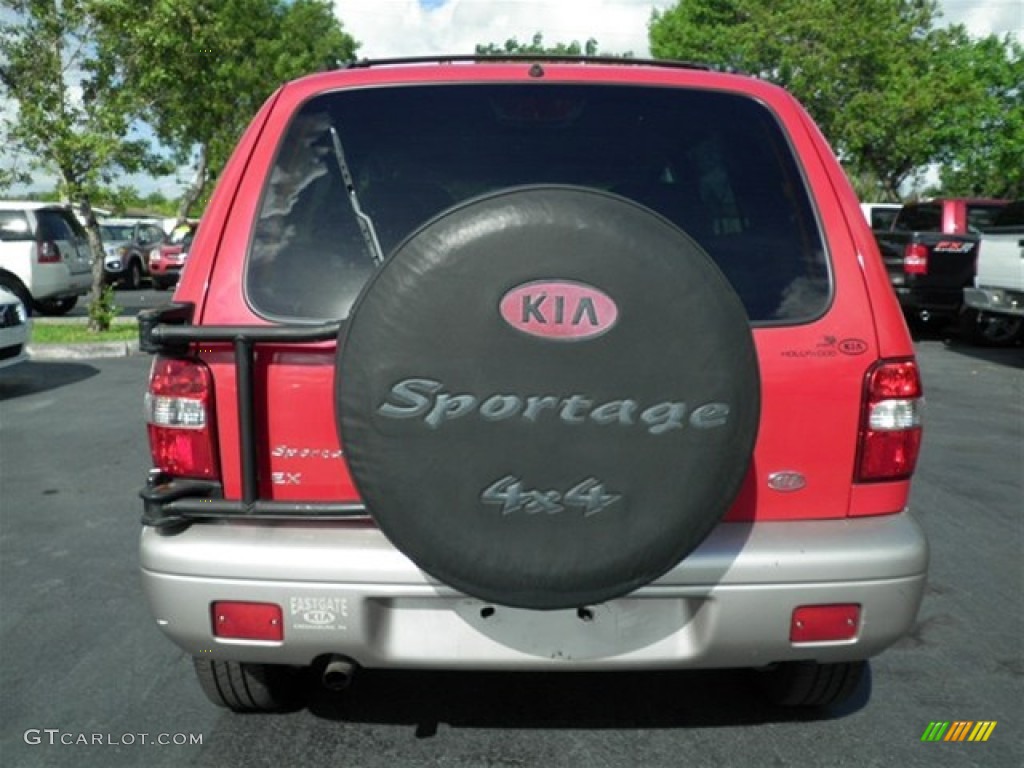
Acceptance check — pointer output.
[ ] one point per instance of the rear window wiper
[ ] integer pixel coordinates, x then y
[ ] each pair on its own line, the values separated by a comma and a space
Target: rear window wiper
366, 227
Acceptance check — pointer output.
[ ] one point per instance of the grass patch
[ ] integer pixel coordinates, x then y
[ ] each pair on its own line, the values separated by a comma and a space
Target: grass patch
78, 333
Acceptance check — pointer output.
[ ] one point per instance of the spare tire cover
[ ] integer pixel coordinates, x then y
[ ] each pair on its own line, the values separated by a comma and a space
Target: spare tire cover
547, 396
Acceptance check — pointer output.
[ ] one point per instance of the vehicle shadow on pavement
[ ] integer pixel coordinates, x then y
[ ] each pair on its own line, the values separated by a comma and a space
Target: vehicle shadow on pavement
31, 377
562, 700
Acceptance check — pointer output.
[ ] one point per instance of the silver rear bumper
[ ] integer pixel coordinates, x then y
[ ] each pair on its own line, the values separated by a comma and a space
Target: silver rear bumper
995, 300
345, 590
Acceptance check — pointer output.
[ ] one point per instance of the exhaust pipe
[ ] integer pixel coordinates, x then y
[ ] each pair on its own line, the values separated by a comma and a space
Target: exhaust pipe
337, 675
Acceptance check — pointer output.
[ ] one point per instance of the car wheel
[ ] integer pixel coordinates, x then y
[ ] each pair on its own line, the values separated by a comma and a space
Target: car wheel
990, 329
14, 286
250, 687
809, 684
57, 306
548, 396
133, 281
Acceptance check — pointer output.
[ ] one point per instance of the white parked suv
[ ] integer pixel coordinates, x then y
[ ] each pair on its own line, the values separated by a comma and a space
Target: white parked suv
15, 329
44, 256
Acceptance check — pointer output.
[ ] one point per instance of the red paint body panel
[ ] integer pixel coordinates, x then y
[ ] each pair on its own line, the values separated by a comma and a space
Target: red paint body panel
812, 374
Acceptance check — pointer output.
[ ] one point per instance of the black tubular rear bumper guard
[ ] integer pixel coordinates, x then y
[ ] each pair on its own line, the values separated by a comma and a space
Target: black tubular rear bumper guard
169, 501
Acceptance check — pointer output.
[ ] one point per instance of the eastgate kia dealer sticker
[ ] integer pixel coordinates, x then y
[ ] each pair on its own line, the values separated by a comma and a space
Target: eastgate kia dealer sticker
318, 612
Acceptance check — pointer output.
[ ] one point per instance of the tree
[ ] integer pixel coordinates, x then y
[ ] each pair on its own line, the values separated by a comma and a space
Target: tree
204, 69
879, 79
513, 47
988, 158
71, 116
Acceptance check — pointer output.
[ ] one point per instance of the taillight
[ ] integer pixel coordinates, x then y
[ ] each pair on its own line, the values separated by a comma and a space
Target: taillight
179, 414
890, 430
915, 259
47, 252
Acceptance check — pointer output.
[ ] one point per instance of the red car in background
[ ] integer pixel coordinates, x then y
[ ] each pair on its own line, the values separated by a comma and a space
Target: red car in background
167, 259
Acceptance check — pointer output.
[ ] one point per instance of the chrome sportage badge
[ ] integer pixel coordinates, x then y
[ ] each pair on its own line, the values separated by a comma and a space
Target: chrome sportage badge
560, 310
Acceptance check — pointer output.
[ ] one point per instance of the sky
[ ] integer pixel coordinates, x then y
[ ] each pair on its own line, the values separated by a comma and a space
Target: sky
390, 28
394, 28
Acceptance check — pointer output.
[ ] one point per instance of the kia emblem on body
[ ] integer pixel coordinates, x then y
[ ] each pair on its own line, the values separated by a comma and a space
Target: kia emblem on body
559, 310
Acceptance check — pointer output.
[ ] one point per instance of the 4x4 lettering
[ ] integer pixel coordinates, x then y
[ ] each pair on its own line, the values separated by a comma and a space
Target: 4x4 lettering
508, 492
590, 495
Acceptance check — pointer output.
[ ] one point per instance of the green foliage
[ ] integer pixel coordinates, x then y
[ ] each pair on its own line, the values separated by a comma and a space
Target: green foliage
988, 157
204, 69
102, 310
888, 89
72, 115
536, 46
76, 333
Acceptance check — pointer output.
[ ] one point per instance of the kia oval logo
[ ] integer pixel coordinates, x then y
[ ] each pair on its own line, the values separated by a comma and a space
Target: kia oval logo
318, 617
560, 310
853, 346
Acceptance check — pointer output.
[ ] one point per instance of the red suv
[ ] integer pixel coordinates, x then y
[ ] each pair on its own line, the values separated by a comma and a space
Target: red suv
167, 259
531, 365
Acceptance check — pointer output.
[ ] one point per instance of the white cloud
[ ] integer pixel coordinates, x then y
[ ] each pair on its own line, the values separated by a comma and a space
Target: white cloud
986, 17
392, 28
389, 28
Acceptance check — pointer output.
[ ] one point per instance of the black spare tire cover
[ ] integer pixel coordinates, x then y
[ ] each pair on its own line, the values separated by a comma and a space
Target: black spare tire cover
547, 396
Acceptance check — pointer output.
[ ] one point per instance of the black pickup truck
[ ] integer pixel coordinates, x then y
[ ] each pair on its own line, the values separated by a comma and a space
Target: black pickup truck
930, 253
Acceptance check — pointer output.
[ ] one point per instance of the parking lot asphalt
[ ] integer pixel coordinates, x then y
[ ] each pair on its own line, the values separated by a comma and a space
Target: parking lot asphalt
80, 657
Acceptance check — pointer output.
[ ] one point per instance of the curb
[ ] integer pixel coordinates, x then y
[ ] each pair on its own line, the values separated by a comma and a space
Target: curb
83, 351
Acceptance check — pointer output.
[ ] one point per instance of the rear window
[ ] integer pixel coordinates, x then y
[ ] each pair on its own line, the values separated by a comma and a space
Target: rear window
882, 218
54, 225
920, 218
716, 164
1010, 216
14, 227
116, 233
982, 216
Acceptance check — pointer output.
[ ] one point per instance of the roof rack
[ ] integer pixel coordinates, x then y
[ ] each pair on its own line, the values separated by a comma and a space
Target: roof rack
525, 58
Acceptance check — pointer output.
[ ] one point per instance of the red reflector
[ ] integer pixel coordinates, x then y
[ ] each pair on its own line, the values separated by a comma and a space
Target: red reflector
247, 621
915, 259
824, 623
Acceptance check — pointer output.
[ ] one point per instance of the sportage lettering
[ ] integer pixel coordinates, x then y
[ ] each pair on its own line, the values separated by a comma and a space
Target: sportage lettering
426, 399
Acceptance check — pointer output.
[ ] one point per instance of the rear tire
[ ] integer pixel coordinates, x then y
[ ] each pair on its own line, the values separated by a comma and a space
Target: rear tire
809, 684
244, 687
989, 329
56, 306
14, 285
133, 281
